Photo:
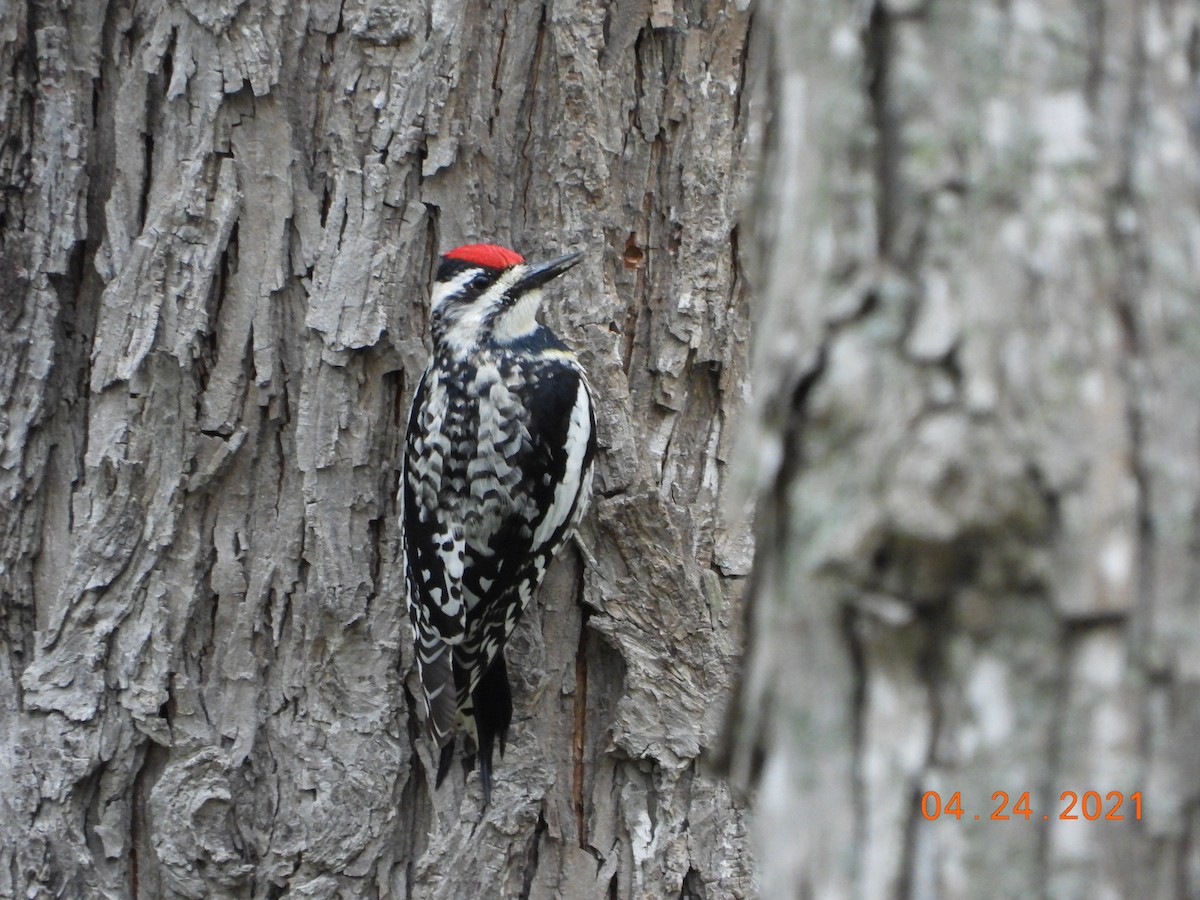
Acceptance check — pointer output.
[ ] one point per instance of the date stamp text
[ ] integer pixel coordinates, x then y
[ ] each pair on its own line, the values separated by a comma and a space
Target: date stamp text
1090, 805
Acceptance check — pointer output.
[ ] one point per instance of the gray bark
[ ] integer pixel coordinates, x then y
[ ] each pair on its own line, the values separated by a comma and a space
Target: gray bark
218, 228
977, 417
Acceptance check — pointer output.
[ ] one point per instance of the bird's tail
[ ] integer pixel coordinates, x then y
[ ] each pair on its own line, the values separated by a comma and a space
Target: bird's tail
493, 715
485, 716
435, 669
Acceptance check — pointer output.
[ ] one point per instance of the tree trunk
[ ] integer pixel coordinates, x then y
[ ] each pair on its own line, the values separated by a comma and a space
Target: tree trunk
975, 240
218, 229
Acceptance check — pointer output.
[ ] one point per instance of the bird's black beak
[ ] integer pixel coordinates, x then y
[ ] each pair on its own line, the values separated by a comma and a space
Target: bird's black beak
540, 273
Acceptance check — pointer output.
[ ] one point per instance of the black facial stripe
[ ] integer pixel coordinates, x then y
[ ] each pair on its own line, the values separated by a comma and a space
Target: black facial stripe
450, 268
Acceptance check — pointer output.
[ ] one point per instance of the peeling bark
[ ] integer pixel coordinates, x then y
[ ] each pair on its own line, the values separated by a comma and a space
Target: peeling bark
218, 228
976, 448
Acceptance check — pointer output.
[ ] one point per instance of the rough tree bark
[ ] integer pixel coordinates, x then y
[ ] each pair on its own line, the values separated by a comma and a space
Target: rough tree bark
218, 225
977, 568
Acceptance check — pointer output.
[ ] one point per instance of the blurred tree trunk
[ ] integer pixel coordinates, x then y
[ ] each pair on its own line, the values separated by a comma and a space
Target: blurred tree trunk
219, 222
976, 240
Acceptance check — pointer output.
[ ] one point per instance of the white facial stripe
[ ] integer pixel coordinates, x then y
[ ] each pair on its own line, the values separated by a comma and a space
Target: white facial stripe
442, 290
507, 280
520, 320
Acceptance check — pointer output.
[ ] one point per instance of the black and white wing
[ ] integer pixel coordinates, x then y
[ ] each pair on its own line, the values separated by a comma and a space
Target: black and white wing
433, 558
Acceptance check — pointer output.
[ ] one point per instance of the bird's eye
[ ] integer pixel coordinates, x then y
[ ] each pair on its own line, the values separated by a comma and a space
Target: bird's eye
480, 281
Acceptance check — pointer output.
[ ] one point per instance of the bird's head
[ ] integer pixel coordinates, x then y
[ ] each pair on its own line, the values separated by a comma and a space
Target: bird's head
487, 294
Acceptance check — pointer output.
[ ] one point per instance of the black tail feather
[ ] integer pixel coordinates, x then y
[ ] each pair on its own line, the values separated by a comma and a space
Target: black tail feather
493, 715
492, 710
444, 761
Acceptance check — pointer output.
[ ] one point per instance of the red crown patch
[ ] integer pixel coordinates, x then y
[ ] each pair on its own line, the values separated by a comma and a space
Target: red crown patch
493, 256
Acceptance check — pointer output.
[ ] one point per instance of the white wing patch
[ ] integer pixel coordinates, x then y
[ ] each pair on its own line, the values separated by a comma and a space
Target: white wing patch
565, 492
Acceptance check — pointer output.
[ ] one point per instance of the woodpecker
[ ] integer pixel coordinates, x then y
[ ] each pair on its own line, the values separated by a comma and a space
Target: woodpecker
498, 467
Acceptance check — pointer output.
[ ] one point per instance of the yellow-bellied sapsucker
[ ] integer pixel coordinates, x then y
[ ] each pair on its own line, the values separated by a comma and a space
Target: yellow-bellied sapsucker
497, 474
